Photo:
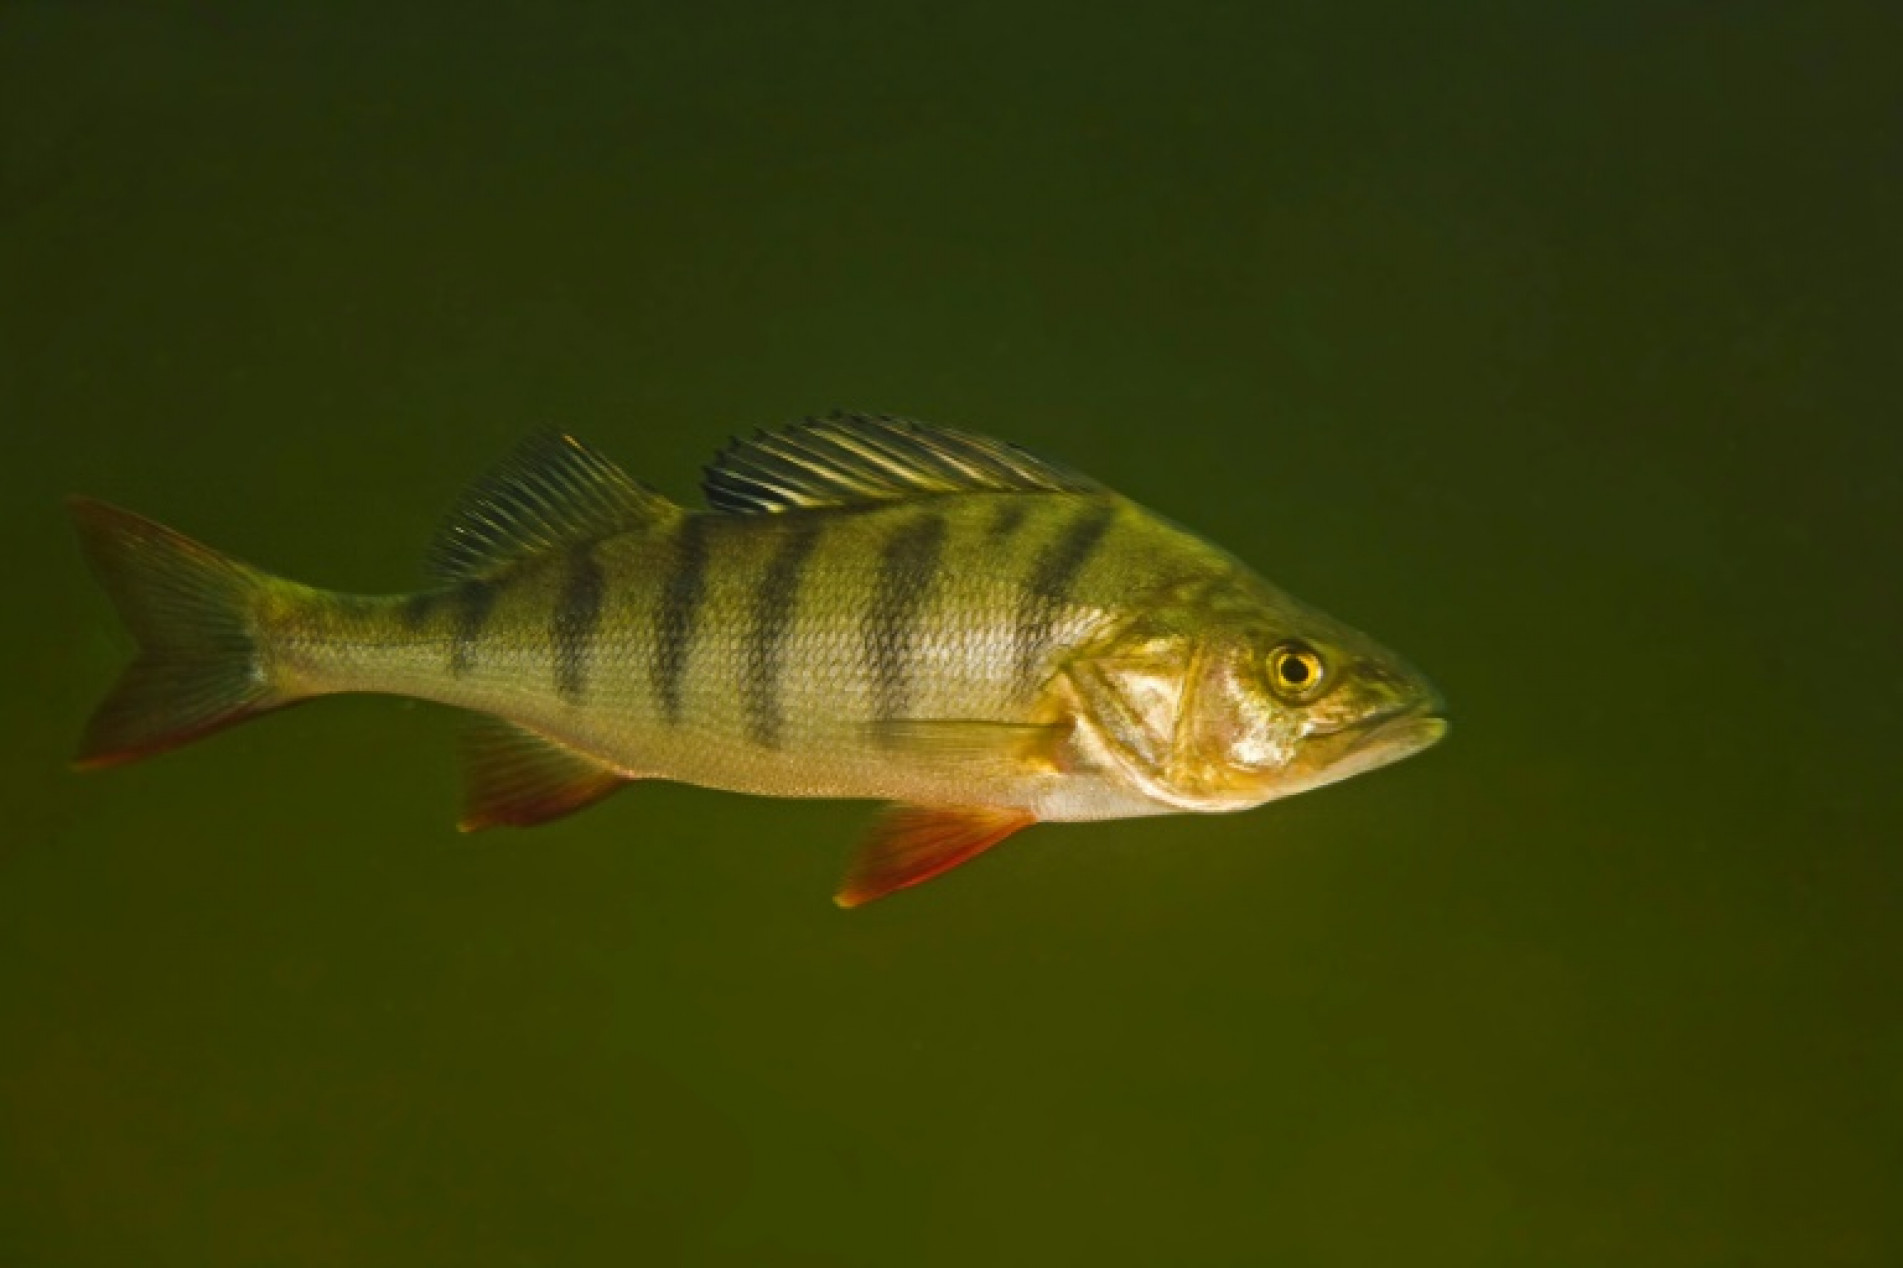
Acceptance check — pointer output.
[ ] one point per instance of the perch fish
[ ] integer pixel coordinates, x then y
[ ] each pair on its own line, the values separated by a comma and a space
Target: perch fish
869, 607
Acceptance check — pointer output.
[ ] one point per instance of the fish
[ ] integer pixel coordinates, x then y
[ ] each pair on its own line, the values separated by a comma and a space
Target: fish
868, 607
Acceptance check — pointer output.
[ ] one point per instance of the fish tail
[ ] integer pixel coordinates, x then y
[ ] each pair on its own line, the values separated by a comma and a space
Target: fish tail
194, 613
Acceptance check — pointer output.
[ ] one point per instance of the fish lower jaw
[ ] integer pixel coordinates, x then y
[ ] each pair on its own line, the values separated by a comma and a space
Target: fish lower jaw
1383, 744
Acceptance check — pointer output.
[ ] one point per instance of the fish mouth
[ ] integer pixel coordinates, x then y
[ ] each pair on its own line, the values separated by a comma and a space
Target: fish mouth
1409, 731
1390, 737
1399, 733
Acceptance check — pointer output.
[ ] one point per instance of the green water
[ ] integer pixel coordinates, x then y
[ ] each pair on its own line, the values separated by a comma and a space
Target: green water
1555, 346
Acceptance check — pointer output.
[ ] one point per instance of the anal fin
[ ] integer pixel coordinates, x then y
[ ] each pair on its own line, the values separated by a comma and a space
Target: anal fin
912, 844
517, 778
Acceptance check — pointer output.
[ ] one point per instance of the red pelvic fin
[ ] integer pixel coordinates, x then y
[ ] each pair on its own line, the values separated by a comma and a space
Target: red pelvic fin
912, 844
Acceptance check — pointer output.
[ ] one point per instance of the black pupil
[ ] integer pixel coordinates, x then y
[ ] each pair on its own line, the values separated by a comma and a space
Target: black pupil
1294, 670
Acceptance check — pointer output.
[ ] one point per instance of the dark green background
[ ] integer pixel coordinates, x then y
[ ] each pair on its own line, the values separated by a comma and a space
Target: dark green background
1555, 345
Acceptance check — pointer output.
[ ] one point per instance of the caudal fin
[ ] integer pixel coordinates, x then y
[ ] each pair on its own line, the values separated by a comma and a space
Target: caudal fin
191, 610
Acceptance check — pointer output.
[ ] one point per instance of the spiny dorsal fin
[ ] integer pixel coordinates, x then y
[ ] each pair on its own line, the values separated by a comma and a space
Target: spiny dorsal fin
551, 492
850, 459
516, 778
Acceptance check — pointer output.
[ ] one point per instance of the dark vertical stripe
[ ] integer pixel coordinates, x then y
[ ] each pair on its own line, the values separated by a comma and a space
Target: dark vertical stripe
472, 601
678, 614
1049, 585
418, 608
577, 621
1007, 519
774, 605
908, 568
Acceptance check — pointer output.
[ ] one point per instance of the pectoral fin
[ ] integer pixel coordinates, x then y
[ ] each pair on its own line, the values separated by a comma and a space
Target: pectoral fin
517, 778
975, 749
911, 844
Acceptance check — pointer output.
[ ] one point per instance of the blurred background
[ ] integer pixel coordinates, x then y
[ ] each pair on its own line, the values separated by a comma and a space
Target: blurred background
1554, 345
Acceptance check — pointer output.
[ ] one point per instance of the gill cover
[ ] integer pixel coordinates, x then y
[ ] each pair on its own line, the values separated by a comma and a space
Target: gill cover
1179, 715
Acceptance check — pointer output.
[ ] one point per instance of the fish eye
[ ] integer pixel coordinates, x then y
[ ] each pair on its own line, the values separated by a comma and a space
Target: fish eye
1295, 671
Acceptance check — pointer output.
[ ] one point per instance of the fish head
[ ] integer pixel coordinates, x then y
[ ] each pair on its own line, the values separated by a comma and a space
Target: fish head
1227, 702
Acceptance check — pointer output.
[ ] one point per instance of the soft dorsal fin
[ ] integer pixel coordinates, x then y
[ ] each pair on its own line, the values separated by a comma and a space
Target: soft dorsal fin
850, 459
551, 492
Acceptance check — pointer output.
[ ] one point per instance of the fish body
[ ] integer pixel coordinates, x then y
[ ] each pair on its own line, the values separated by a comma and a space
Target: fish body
869, 608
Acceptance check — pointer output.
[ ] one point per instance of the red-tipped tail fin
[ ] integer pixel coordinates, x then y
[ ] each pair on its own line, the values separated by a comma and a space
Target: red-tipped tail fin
191, 610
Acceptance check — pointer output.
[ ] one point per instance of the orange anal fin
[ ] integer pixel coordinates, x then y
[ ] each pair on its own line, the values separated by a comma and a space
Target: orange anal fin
517, 778
912, 844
